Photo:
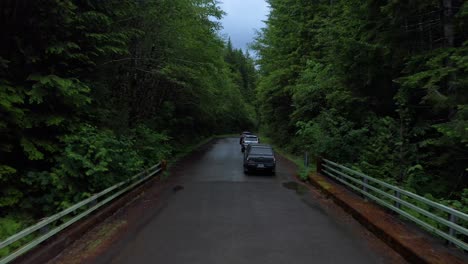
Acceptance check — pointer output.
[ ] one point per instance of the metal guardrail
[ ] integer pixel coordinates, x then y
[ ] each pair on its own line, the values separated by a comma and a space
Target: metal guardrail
400, 200
92, 202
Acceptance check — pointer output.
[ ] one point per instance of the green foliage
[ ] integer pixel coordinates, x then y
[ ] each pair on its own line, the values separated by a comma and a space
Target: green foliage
455, 130
152, 147
71, 90
96, 159
6, 170
9, 226
378, 154
327, 134
10, 196
304, 174
377, 85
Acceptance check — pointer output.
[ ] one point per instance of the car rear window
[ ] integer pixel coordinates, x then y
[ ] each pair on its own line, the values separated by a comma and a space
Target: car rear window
261, 151
250, 138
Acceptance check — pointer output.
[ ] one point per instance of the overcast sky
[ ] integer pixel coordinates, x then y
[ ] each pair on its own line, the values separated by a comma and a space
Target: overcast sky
242, 19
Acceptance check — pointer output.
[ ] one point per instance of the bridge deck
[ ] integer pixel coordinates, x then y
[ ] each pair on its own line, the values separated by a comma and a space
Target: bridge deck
217, 214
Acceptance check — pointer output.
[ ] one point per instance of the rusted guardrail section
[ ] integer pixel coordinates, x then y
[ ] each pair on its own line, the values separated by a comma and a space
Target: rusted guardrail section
46, 228
437, 218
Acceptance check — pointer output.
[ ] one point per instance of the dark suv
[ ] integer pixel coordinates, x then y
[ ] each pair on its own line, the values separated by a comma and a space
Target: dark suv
259, 157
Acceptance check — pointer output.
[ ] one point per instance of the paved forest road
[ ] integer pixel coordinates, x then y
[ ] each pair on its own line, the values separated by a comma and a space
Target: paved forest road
224, 216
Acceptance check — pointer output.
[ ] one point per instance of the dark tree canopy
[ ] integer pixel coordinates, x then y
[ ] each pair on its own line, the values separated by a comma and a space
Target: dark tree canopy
378, 85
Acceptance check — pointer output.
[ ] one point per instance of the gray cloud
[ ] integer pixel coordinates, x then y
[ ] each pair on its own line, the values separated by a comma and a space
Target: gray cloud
242, 19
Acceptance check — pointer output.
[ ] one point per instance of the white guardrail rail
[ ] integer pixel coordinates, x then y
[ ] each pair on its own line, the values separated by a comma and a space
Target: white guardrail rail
45, 227
435, 217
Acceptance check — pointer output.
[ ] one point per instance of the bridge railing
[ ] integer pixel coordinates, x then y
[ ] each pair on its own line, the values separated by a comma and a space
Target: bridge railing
48, 227
437, 218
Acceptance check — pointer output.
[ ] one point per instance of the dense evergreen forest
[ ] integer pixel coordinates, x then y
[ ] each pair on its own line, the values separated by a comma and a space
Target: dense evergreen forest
381, 86
94, 91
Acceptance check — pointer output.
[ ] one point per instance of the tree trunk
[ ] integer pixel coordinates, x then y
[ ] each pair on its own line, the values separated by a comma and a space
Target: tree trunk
448, 23
449, 36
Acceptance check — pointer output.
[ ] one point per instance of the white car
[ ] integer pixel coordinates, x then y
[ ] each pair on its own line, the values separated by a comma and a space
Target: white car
247, 140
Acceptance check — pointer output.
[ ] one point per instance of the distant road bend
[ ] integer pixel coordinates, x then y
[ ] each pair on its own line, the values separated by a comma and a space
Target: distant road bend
220, 215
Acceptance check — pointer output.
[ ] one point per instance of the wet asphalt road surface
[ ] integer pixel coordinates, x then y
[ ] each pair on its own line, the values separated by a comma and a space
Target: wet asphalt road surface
221, 215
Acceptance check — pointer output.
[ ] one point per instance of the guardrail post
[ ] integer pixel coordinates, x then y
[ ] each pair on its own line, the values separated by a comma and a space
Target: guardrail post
319, 163
397, 195
92, 203
364, 188
306, 159
452, 232
44, 230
